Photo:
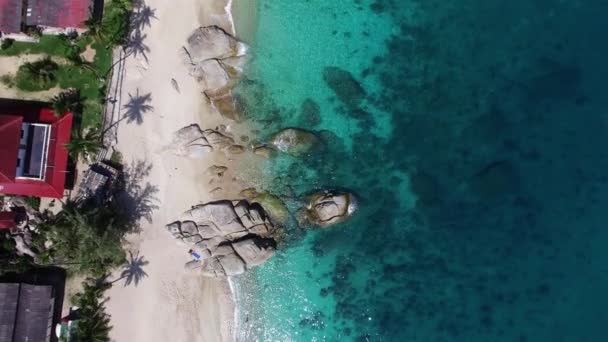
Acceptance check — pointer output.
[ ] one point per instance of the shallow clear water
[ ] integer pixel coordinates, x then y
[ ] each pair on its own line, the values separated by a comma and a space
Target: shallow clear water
478, 153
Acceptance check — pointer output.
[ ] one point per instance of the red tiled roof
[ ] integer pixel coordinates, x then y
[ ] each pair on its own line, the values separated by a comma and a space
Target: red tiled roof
7, 219
58, 13
10, 134
10, 15
54, 183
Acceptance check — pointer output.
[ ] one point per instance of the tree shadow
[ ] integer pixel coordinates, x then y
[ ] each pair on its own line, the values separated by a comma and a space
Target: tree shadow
136, 45
133, 272
142, 16
138, 199
137, 107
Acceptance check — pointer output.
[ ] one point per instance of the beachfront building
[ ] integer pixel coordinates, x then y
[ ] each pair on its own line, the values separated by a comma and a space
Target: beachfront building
33, 156
26, 312
52, 16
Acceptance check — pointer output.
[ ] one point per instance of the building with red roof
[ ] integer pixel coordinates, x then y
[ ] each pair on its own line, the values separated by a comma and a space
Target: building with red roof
33, 156
16, 15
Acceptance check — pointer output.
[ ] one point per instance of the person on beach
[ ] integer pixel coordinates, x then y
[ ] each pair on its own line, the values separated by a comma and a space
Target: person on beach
195, 255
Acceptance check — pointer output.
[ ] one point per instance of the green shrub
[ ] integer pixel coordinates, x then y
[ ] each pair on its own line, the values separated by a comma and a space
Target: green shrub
94, 323
33, 202
88, 236
116, 157
7, 43
7, 80
37, 76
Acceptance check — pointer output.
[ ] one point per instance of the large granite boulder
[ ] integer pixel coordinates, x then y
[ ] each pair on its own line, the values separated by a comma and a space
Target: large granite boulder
294, 141
230, 236
327, 208
216, 59
193, 142
211, 42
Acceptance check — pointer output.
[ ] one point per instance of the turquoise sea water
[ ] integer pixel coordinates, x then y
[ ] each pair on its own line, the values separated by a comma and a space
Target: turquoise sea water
478, 151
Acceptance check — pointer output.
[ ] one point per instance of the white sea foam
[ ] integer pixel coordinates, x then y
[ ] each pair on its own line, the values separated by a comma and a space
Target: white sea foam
236, 313
228, 9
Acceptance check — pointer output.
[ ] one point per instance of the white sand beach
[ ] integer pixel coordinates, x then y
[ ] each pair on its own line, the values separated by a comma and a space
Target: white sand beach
170, 304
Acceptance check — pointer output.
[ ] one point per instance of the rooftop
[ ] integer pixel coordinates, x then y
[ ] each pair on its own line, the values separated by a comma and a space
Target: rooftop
33, 156
26, 312
10, 15
58, 13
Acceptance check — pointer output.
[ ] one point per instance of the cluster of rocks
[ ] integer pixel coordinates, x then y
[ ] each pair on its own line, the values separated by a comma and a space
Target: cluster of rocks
191, 141
230, 236
216, 59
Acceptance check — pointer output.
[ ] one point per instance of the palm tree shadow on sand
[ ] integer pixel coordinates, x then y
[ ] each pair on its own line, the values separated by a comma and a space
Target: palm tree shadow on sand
132, 272
137, 107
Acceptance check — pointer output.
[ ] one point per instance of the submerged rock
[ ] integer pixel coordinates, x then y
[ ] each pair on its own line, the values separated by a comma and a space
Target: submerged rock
495, 179
263, 151
228, 105
295, 141
310, 112
425, 187
275, 207
327, 208
230, 236
344, 84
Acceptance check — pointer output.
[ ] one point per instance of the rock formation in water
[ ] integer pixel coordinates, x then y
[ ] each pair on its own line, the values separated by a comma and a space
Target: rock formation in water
326, 208
193, 142
294, 141
230, 236
216, 59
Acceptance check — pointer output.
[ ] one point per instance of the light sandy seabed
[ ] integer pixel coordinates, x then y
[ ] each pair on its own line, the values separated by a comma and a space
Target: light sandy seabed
170, 304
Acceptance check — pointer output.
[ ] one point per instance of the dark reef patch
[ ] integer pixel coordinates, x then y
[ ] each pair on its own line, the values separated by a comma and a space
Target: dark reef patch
344, 84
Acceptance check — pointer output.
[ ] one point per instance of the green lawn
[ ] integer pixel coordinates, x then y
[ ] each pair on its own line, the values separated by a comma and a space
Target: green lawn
89, 78
50, 45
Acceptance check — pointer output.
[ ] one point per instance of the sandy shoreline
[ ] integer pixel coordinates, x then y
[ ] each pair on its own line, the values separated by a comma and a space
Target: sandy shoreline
170, 304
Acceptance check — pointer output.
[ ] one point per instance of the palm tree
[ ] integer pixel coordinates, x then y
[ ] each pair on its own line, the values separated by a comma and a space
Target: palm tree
87, 146
42, 71
67, 101
93, 323
94, 28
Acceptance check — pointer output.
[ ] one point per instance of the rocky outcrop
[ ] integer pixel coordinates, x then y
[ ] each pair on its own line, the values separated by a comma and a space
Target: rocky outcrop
230, 236
216, 59
193, 142
327, 208
294, 141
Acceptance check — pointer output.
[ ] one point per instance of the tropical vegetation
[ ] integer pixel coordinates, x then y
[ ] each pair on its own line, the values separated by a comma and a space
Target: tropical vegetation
86, 146
93, 324
66, 68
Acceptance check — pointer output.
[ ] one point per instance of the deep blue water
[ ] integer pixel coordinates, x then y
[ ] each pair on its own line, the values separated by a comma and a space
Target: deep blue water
479, 153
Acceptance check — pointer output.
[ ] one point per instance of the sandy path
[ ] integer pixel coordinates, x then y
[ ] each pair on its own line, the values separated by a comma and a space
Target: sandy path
169, 304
